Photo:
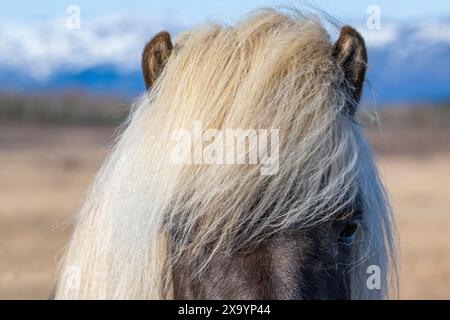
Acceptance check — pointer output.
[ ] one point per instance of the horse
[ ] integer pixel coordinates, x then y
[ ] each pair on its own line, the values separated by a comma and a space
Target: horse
319, 226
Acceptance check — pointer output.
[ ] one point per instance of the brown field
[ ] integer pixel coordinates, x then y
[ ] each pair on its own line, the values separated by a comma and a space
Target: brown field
45, 171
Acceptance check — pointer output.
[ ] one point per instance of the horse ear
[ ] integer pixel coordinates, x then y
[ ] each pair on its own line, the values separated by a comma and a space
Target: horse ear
155, 56
351, 55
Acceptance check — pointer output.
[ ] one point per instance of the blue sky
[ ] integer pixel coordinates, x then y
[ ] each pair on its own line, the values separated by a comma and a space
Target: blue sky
199, 10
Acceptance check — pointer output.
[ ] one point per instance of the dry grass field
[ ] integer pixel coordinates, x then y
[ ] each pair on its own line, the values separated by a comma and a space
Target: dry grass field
46, 169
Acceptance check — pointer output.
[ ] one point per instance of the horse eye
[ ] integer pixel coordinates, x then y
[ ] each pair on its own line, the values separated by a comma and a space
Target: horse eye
348, 233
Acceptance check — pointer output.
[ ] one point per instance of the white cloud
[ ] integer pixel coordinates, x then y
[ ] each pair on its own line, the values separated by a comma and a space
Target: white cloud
40, 49
436, 31
380, 38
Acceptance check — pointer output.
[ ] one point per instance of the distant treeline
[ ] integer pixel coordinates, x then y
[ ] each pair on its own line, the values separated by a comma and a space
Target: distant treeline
65, 108
413, 115
80, 108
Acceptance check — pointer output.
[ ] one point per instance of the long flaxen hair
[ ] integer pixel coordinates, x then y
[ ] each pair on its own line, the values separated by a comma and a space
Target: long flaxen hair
144, 213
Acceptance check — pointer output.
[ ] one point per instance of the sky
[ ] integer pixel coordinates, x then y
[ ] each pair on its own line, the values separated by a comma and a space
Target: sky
41, 42
227, 10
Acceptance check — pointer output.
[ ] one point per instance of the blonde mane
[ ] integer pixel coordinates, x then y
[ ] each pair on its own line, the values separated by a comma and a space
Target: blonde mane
271, 70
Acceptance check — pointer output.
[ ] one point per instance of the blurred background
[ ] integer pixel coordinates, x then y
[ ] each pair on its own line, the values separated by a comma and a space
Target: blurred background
70, 69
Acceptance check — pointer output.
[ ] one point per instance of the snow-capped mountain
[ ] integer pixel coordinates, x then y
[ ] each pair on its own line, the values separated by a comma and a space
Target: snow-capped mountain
102, 56
407, 62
